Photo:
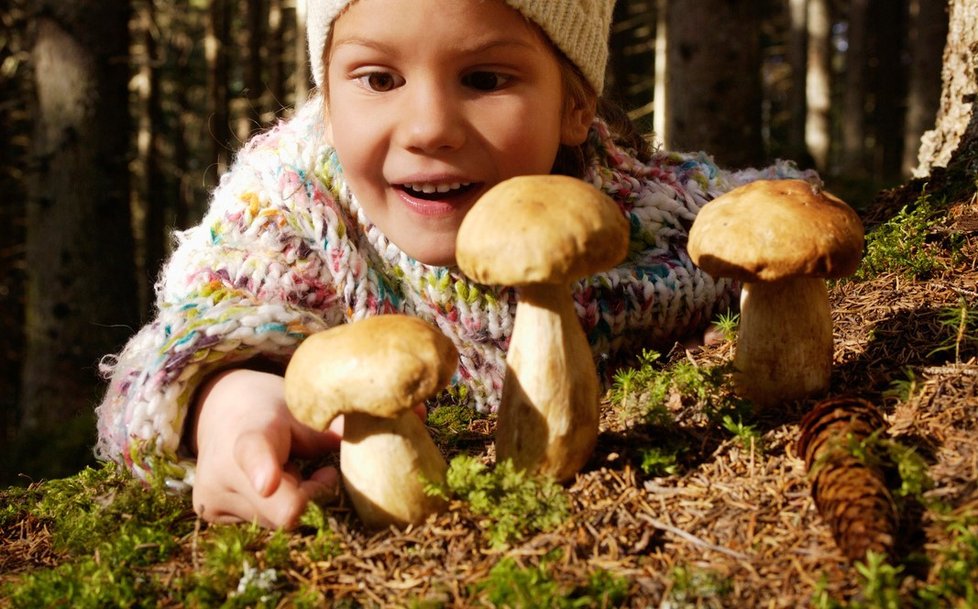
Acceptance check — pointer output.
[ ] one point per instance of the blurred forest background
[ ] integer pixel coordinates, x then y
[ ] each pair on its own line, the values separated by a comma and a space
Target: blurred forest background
117, 117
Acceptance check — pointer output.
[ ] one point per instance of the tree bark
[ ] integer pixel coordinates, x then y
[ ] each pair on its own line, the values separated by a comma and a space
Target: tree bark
218, 32
818, 136
798, 60
928, 32
81, 298
714, 88
888, 86
302, 74
854, 112
955, 128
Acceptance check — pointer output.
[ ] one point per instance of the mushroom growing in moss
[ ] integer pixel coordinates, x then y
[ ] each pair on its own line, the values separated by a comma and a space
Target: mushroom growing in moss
782, 239
373, 372
540, 233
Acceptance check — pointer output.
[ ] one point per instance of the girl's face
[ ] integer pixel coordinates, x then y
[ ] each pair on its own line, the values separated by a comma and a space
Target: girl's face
432, 102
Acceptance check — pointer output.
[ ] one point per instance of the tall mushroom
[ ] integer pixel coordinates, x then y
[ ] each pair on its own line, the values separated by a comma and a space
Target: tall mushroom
540, 233
374, 372
782, 239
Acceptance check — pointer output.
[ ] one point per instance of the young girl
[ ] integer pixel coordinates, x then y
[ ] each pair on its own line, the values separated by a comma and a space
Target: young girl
351, 209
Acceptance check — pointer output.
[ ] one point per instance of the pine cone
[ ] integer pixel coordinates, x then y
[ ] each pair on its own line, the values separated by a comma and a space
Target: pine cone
850, 493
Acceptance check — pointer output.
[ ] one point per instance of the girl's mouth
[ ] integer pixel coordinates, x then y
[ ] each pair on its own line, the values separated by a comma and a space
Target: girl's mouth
437, 192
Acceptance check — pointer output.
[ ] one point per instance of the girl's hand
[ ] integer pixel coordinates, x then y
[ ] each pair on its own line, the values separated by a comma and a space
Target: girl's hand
244, 436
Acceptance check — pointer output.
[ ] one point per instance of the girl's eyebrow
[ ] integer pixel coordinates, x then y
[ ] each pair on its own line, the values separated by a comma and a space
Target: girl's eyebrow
474, 49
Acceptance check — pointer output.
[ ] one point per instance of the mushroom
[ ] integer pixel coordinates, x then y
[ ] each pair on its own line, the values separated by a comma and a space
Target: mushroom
540, 233
373, 372
782, 239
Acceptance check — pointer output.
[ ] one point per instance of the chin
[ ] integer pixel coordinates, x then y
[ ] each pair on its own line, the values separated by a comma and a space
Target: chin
429, 255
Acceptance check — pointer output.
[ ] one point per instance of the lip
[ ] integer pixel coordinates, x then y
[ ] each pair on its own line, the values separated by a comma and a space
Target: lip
443, 204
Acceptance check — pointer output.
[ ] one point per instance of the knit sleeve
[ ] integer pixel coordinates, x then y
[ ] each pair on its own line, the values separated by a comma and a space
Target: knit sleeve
251, 281
657, 295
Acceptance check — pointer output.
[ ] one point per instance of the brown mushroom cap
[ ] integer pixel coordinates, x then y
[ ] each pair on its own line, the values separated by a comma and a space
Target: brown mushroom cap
379, 366
775, 229
541, 229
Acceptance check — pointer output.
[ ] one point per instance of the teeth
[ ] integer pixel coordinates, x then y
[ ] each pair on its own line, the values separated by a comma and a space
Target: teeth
428, 188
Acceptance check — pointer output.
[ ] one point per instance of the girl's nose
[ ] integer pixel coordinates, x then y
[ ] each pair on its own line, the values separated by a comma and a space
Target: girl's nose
431, 120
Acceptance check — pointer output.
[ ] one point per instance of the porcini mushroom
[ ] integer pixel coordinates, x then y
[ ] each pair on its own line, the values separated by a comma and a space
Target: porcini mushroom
782, 239
374, 371
540, 233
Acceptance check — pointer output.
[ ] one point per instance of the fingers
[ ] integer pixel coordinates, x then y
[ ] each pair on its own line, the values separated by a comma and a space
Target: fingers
259, 462
256, 488
309, 443
323, 486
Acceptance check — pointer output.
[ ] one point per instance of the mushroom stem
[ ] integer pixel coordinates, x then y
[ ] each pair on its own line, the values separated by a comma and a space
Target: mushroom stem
393, 494
784, 344
548, 416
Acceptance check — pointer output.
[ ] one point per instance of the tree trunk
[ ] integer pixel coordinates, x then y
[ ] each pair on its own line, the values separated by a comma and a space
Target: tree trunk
81, 298
302, 75
928, 32
819, 83
276, 67
218, 32
956, 126
256, 19
15, 129
854, 111
714, 88
888, 86
632, 56
151, 199
798, 61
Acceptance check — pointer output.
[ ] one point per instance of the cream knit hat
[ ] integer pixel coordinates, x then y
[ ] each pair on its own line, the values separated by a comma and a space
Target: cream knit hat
579, 28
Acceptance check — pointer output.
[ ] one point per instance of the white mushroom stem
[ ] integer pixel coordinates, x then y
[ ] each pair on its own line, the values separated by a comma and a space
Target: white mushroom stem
385, 465
784, 343
548, 417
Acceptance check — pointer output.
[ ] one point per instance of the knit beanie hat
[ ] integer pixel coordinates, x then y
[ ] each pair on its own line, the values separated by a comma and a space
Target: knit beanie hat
579, 28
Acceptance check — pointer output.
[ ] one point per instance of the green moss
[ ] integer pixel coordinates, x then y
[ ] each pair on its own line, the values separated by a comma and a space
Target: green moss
531, 587
515, 504
904, 243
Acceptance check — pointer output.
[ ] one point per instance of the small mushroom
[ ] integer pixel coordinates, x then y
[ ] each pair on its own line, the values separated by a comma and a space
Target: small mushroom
782, 239
373, 372
540, 233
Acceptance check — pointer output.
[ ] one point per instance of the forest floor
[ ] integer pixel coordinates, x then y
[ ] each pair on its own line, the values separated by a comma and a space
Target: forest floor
688, 501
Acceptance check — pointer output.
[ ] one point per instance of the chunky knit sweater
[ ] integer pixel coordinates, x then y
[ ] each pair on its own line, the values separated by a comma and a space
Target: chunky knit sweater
285, 250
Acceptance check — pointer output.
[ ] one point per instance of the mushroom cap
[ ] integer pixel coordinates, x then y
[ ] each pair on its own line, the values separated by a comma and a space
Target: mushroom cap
541, 229
775, 229
380, 366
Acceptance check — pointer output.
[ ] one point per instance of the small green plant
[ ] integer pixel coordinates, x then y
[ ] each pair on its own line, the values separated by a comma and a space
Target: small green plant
659, 461
324, 545
727, 323
905, 389
901, 244
695, 587
645, 389
879, 583
449, 421
515, 503
531, 587
891, 455
962, 321
955, 580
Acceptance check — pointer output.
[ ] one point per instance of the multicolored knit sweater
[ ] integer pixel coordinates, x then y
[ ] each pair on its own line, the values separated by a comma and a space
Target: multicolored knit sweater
285, 251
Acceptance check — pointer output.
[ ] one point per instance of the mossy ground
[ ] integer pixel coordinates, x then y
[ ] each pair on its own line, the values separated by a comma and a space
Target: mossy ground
690, 500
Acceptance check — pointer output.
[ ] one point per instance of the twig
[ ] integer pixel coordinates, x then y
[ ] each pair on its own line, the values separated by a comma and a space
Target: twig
693, 539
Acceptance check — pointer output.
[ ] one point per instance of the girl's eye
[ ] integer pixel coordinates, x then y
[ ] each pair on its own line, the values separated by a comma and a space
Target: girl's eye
485, 81
380, 81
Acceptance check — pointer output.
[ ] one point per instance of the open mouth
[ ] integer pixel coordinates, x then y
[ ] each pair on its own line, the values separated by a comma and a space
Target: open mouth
437, 192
